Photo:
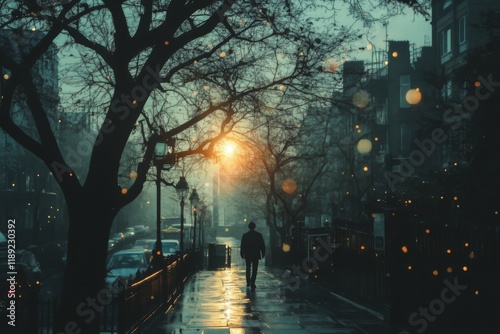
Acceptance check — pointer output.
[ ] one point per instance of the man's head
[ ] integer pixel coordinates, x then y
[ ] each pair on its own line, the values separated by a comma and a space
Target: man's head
251, 225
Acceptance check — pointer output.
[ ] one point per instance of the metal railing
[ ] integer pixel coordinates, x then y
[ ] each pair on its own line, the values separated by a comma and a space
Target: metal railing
141, 301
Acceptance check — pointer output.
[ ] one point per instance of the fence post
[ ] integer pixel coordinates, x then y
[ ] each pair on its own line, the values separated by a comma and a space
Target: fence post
122, 308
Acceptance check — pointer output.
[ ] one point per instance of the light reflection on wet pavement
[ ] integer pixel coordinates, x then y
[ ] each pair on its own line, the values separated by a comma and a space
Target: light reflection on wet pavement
219, 302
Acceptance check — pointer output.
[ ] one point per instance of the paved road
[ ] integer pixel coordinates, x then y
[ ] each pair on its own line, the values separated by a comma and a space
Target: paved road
219, 302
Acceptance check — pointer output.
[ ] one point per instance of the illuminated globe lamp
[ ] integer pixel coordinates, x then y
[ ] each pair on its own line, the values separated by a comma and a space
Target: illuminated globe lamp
413, 96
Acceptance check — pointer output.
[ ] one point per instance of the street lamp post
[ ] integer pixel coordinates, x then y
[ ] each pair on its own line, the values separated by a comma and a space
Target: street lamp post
182, 188
194, 199
164, 160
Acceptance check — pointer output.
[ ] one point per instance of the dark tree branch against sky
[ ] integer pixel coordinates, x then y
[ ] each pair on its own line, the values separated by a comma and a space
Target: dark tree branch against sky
208, 63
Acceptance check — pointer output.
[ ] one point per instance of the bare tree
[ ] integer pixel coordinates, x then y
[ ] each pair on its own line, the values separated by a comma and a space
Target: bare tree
150, 61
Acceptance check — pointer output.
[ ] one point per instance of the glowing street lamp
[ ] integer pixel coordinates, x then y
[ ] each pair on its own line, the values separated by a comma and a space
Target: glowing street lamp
194, 199
182, 189
164, 159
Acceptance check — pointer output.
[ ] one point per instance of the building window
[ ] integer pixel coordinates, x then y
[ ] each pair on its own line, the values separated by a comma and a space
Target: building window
447, 3
445, 41
462, 33
406, 136
404, 87
446, 90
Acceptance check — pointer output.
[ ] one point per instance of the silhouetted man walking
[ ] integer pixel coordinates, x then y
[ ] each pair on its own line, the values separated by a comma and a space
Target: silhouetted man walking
252, 250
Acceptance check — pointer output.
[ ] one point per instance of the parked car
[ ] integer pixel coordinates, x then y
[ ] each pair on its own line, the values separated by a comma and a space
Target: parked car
3, 242
29, 273
117, 237
125, 264
129, 231
139, 229
144, 243
50, 255
168, 247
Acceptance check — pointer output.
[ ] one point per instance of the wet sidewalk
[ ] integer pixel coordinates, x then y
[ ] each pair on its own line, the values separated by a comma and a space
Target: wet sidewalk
219, 302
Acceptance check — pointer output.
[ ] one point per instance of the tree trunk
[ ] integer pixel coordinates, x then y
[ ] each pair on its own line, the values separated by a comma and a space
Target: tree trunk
83, 285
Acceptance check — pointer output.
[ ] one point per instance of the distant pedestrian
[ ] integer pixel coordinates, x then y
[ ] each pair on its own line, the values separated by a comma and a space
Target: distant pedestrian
252, 249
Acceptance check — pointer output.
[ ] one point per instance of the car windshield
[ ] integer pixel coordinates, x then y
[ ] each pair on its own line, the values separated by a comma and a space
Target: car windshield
144, 244
127, 261
167, 247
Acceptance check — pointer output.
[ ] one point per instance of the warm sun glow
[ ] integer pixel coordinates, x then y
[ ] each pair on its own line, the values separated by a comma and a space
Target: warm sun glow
229, 148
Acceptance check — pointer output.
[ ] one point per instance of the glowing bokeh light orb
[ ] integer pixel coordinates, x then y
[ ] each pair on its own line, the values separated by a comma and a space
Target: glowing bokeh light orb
289, 186
361, 99
330, 65
364, 146
413, 96
124, 191
133, 175
285, 248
